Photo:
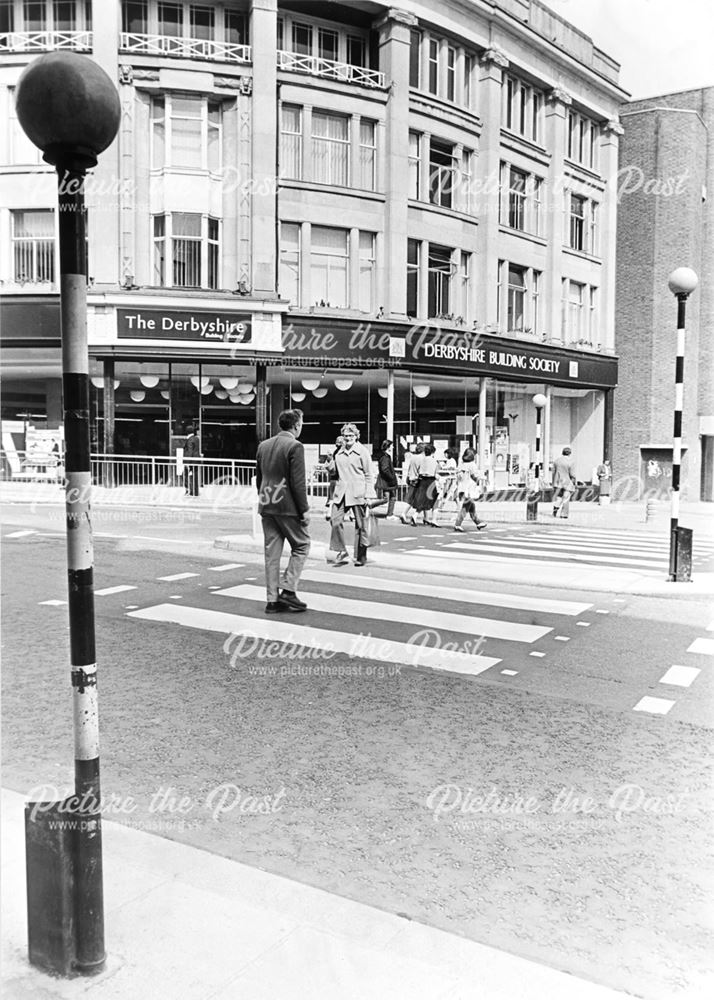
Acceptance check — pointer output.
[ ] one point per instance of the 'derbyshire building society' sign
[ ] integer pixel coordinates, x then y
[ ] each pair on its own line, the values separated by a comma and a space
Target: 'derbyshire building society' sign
162, 324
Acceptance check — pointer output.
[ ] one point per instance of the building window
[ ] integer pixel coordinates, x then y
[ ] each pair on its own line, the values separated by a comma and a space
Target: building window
450, 73
583, 136
191, 244
415, 59
7, 19
465, 180
20, 148
33, 245
520, 205
186, 133
330, 148
522, 108
202, 23
327, 44
518, 298
580, 320
289, 276
171, 19
356, 51
236, 28
413, 265
433, 79
367, 153
582, 224
577, 222
135, 18
440, 268
465, 281
321, 40
468, 79
329, 257
367, 270
414, 179
517, 198
291, 142
442, 168
35, 16
302, 39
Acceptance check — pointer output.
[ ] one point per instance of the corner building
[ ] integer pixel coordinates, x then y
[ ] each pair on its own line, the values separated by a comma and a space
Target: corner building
666, 220
401, 216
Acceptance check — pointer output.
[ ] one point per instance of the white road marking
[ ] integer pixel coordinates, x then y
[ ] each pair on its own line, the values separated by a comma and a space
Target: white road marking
681, 676
53, 604
536, 654
405, 538
130, 607
577, 557
338, 605
365, 647
114, 590
562, 638
21, 534
657, 706
705, 646
579, 545
601, 611
175, 597
225, 567
510, 673
583, 624
176, 576
464, 594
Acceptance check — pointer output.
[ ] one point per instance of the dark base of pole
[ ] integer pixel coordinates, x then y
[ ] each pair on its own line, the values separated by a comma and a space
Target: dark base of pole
532, 506
54, 843
680, 558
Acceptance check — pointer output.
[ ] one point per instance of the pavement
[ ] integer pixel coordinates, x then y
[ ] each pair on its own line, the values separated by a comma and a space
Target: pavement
184, 924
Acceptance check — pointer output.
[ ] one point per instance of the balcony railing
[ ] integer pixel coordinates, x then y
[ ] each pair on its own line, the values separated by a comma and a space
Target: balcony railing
45, 41
185, 48
328, 69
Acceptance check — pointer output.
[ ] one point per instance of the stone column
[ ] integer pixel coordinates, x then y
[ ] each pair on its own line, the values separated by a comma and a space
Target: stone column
493, 63
609, 148
555, 115
394, 45
263, 14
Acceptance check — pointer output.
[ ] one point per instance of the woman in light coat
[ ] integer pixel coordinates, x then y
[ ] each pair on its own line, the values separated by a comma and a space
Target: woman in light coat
468, 490
412, 465
354, 489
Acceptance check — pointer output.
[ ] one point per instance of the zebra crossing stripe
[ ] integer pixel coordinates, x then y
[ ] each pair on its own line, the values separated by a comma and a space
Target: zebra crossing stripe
366, 647
562, 547
630, 540
705, 646
375, 611
176, 576
464, 595
114, 590
585, 541
507, 549
681, 676
21, 534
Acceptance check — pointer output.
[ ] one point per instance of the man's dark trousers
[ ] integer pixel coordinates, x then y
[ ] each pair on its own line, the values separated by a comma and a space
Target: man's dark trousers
278, 529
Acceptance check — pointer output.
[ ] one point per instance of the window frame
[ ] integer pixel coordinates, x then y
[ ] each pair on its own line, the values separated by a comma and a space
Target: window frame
165, 245
40, 258
207, 126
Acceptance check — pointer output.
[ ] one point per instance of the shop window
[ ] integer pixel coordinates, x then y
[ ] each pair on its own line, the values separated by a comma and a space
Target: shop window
329, 257
442, 169
367, 153
367, 270
414, 178
330, 148
522, 108
413, 265
191, 244
440, 269
291, 142
289, 275
33, 246
186, 133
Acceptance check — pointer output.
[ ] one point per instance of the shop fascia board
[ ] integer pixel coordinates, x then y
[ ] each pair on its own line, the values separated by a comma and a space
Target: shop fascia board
165, 299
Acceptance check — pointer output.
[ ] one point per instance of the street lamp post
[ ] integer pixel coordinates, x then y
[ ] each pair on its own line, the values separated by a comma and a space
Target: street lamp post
682, 283
539, 402
70, 109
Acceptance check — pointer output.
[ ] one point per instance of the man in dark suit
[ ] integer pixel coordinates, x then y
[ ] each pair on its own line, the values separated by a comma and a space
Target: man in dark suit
285, 511
192, 449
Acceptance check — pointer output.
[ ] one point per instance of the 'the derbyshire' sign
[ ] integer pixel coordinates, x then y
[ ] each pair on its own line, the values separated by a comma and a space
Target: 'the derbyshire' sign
163, 324
344, 344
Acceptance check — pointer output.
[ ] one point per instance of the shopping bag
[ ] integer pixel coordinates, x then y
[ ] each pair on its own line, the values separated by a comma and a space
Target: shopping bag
371, 529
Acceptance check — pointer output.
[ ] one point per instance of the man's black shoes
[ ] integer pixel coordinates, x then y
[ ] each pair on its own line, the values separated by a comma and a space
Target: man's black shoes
287, 601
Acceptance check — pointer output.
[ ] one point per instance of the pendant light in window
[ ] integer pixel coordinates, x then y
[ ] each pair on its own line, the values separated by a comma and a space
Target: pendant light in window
298, 397
206, 389
343, 384
228, 383
245, 387
383, 391
247, 399
310, 384
319, 393
421, 390
165, 393
97, 381
149, 381
138, 395
221, 394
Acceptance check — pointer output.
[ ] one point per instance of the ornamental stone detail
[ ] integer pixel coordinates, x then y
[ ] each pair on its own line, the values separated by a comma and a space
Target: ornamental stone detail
496, 56
559, 96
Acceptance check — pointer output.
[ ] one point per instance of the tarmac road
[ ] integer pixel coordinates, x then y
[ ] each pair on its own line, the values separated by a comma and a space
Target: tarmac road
533, 810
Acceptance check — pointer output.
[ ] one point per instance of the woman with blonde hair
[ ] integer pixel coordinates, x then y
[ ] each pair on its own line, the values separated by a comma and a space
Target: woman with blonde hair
354, 488
468, 490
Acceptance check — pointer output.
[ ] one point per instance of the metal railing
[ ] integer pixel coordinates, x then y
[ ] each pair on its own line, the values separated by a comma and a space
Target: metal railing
45, 41
163, 470
186, 48
329, 69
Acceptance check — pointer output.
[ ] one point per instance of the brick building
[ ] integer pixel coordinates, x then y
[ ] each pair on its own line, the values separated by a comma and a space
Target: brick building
665, 220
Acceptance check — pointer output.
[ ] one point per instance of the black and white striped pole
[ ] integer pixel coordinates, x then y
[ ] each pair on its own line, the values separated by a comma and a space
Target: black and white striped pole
70, 109
539, 402
682, 283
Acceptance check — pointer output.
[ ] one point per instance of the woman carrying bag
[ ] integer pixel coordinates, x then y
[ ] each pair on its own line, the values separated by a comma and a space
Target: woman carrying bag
468, 490
412, 465
426, 494
353, 491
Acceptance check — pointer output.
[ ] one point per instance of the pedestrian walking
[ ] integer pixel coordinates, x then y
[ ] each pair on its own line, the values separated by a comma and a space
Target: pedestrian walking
353, 491
192, 449
412, 465
425, 496
468, 490
331, 481
284, 511
386, 484
564, 483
